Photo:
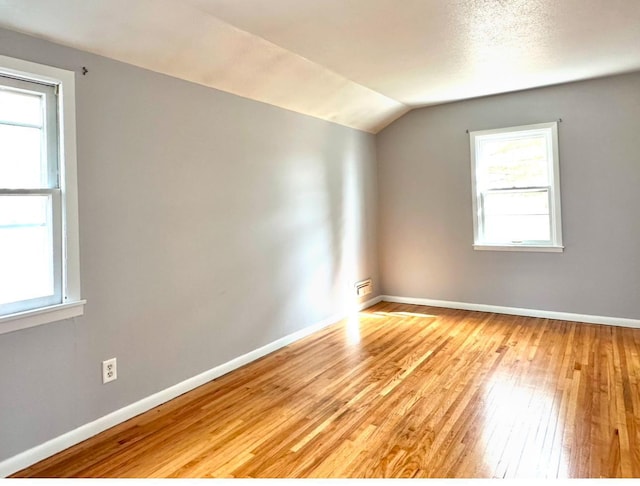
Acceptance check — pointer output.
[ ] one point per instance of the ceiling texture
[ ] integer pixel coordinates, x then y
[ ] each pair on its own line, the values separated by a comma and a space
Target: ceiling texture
359, 63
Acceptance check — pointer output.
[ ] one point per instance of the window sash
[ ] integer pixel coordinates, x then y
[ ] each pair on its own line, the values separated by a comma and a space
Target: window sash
482, 216
50, 132
55, 223
482, 167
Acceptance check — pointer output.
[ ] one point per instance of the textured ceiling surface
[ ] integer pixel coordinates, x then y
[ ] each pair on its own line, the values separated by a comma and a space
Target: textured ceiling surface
360, 63
423, 52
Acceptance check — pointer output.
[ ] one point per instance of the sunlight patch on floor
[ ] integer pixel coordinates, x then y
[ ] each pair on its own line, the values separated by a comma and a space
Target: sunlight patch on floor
522, 433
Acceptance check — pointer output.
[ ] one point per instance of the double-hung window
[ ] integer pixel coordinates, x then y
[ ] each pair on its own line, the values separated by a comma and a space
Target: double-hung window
39, 274
516, 188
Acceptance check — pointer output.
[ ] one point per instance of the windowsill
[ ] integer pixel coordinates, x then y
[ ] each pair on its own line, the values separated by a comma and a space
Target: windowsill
43, 315
538, 248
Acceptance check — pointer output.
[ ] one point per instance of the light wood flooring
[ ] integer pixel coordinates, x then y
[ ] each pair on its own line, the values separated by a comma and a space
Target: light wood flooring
398, 391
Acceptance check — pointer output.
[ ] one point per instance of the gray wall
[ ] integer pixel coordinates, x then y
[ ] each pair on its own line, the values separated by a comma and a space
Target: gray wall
210, 225
425, 225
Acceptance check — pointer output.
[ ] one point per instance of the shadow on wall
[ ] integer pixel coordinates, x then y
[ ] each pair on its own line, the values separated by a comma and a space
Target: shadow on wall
319, 208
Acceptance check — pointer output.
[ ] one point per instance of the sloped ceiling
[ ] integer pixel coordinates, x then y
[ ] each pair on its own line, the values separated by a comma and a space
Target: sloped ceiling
359, 63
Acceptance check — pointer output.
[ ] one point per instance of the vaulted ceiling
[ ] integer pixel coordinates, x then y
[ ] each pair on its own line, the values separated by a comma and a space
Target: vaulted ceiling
359, 63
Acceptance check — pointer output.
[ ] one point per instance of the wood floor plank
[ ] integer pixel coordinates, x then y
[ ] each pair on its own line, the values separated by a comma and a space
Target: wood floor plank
397, 391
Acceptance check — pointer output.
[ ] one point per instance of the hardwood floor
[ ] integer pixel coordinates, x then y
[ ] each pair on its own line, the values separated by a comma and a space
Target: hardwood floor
400, 391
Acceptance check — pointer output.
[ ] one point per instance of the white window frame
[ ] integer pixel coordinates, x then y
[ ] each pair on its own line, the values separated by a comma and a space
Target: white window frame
550, 132
71, 304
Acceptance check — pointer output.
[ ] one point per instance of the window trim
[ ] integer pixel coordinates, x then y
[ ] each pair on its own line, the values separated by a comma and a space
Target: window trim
72, 304
551, 130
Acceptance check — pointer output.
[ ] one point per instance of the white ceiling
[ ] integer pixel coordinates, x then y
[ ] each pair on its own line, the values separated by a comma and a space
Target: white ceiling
360, 63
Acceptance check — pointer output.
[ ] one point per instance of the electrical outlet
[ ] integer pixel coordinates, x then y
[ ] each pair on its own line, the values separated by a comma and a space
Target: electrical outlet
109, 370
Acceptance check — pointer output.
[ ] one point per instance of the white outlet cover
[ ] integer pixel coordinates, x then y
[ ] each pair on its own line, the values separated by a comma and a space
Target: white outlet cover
109, 370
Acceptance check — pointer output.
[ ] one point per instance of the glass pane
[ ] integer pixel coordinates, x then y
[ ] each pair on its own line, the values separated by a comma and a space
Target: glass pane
530, 202
21, 164
20, 107
26, 248
507, 163
511, 228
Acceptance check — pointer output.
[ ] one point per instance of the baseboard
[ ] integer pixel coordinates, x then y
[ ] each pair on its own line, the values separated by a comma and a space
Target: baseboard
84, 432
516, 311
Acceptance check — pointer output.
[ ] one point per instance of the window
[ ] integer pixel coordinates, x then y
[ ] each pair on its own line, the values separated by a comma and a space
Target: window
39, 261
516, 188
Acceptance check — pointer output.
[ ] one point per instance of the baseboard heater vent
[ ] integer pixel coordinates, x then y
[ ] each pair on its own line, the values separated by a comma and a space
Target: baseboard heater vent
364, 287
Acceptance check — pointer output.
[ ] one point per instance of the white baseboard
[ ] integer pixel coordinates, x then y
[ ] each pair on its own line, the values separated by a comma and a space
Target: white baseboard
516, 311
84, 432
